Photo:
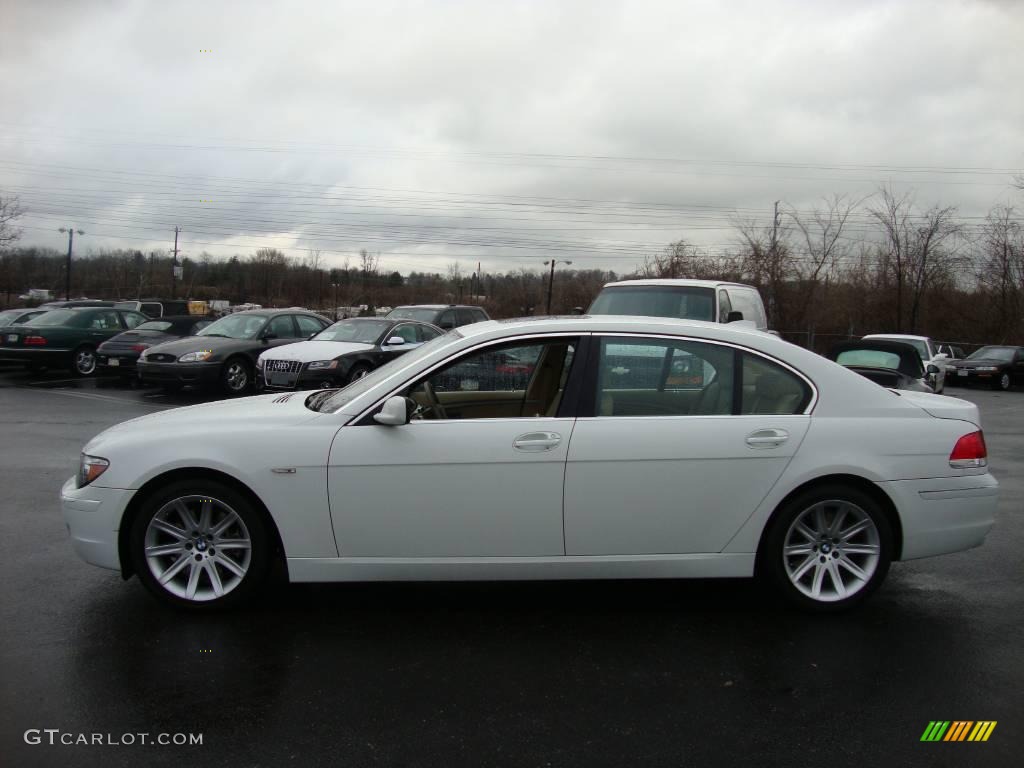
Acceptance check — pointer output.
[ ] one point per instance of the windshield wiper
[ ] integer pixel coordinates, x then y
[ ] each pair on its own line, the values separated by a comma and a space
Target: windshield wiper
218, 335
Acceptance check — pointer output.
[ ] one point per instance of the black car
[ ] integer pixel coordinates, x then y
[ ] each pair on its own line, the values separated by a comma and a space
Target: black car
66, 338
997, 366
224, 353
892, 364
444, 316
120, 353
18, 316
342, 353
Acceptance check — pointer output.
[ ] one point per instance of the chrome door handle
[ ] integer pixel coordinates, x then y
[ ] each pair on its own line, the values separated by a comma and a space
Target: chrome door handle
767, 438
537, 441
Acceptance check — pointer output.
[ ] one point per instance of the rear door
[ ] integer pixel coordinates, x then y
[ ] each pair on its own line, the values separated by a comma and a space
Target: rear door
684, 440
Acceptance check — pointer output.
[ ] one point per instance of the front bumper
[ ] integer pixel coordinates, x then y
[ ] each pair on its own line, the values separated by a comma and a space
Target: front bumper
92, 516
304, 379
198, 374
943, 515
973, 375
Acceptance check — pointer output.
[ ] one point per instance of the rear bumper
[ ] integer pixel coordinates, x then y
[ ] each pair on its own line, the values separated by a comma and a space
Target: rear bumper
942, 515
93, 516
198, 374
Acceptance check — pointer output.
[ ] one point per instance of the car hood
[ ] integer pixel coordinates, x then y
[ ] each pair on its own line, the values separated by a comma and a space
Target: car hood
218, 344
308, 351
943, 406
261, 414
980, 361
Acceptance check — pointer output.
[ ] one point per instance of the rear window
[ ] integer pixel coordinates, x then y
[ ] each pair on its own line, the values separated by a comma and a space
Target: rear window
684, 302
154, 325
412, 313
869, 358
61, 317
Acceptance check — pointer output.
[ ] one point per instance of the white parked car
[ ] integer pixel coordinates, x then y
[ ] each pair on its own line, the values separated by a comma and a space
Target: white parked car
609, 447
930, 356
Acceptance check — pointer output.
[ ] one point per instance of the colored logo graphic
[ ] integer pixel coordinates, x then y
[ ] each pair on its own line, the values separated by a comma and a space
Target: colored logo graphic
958, 730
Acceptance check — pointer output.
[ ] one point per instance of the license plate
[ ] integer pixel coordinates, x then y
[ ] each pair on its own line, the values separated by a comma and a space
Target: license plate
12, 337
961, 372
113, 362
280, 380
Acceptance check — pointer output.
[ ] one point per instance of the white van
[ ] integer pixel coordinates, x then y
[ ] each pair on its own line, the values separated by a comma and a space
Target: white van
712, 300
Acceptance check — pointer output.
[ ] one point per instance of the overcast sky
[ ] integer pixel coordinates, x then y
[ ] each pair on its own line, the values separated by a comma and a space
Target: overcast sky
500, 132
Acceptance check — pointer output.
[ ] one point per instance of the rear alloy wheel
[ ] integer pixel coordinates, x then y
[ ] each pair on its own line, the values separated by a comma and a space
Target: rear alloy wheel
236, 378
1002, 382
828, 548
199, 545
83, 361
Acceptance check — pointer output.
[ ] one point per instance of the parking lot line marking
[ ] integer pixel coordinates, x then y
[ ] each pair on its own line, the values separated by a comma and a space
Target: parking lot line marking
105, 398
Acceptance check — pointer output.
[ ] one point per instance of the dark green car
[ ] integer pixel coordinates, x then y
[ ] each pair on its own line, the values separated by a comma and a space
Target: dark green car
66, 338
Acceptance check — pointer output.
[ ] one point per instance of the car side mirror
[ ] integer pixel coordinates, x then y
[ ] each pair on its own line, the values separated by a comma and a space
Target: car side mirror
734, 316
268, 336
577, 310
394, 341
446, 326
395, 412
932, 370
942, 356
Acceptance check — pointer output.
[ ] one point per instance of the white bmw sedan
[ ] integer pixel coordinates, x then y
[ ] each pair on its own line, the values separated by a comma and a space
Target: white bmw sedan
609, 447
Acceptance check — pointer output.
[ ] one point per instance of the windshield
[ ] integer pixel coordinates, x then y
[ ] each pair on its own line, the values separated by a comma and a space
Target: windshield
993, 353
235, 326
8, 315
154, 325
361, 331
413, 313
359, 386
684, 302
57, 317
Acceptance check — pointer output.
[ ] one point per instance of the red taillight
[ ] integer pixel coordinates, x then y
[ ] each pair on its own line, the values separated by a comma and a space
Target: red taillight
139, 347
969, 451
35, 341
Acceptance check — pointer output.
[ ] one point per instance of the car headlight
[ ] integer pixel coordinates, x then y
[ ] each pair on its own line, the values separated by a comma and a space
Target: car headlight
987, 368
322, 365
196, 357
259, 363
89, 468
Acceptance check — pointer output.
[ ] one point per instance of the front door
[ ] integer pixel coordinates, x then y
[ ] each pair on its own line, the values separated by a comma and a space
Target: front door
678, 453
478, 471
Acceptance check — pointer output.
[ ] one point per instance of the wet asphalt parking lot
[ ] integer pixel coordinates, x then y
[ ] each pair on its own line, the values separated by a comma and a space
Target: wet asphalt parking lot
533, 674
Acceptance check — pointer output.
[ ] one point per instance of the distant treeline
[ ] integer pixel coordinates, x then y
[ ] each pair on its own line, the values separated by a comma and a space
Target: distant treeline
846, 268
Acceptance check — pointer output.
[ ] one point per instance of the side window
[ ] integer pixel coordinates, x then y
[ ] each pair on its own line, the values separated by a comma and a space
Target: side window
660, 377
724, 307
105, 321
447, 320
770, 388
511, 381
427, 333
466, 316
133, 319
747, 301
282, 327
407, 332
308, 326
479, 316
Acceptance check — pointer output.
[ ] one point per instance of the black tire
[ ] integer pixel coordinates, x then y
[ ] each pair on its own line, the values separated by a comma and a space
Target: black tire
775, 567
237, 590
1002, 382
236, 376
357, 372
83, 361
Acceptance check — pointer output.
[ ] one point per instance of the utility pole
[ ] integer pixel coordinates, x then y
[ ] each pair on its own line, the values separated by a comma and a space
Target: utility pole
67, 271
174, 265
775, 229
551, 279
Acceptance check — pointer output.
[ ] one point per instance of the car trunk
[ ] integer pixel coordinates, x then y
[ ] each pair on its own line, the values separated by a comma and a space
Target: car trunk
943, 406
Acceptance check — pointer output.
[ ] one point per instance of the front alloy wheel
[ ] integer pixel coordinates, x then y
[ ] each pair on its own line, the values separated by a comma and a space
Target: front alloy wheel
1003, 382
199, 546
236, 377
828, 550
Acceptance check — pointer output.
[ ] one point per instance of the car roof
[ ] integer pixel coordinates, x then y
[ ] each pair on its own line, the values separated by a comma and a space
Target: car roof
679, 282
437, 306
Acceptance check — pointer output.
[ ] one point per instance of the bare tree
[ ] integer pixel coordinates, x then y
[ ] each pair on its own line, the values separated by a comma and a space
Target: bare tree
918, 249
10, 211
1001, 270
